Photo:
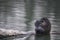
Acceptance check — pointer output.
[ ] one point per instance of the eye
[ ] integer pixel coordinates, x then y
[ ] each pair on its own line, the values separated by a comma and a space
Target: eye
42, 21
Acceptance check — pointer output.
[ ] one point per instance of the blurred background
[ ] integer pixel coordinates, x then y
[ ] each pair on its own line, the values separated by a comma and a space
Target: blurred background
21, 15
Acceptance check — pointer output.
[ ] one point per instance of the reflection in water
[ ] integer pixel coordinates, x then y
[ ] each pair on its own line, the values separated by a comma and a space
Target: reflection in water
55, 36
42, 37
56, 28
29, 7
20, 15
12, 17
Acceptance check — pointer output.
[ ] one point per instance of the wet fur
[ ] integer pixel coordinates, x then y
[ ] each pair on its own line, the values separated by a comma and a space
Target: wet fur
47, 26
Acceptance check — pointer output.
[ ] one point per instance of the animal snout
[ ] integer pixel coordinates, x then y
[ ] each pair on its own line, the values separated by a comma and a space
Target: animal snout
39, 29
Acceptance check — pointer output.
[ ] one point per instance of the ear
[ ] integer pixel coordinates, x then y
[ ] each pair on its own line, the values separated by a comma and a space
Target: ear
37, 23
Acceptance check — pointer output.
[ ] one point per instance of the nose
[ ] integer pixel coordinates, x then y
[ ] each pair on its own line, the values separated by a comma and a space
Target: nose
39, 28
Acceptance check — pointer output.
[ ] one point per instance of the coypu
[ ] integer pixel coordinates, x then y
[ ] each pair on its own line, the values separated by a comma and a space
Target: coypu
42, 26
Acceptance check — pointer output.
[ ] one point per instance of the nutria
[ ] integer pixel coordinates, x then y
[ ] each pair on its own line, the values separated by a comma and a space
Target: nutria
42, 26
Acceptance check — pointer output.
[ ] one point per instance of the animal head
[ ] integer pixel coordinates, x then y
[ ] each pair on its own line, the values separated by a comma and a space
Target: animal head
44, 23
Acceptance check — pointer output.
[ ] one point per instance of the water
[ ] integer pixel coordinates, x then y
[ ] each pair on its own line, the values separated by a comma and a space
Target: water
21, 15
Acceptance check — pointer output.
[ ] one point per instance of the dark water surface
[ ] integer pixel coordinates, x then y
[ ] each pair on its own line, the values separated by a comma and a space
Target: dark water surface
21, 15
